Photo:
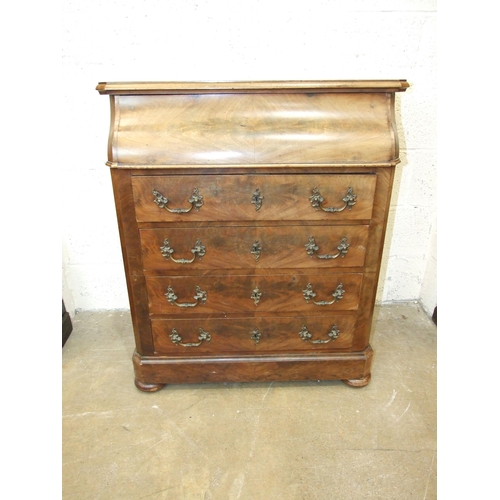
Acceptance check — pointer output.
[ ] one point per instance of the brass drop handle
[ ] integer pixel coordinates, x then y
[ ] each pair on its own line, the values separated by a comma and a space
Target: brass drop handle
200, 296
309, 295
306, 336
197, 250
312, 249
317, 201
196, 201
177, 340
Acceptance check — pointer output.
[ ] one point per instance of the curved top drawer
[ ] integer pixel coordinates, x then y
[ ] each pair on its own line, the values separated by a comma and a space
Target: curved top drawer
190, 198
277, 127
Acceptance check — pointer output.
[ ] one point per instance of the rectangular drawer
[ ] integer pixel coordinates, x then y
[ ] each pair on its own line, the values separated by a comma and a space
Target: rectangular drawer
202, 295
195, 337
254, 247
254, 197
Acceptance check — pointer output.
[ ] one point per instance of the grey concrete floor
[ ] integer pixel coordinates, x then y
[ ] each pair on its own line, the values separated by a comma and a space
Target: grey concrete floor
262, 441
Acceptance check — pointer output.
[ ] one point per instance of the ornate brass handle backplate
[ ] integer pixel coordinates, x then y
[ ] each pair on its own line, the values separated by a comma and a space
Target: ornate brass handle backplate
312, 249
200, 296
306, 336
309, 295
255, 336
256, 250
197, 250
196, 201
177, 340
317, 201
256, 295
257, 199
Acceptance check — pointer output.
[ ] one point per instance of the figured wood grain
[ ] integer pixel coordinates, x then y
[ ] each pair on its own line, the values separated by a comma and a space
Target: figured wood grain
364, 320
374, 256
277, 335
237, 129
132, 260
265, 368
231, 247
229, 197
232, 141
378, 224
230, 294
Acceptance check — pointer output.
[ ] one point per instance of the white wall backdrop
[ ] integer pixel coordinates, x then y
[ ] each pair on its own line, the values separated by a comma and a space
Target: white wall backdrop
255, 40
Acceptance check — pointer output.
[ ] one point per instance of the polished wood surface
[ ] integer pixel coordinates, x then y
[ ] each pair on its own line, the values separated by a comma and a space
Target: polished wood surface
228, 293
153, 372
275, 334
229, 197
237, 129
249, 247
274, 87
235, 169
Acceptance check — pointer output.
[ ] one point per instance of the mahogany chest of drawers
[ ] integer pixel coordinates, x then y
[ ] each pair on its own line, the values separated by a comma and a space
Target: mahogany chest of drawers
252, 218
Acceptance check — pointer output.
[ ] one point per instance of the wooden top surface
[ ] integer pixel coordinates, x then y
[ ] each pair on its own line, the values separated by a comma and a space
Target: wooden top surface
129, 88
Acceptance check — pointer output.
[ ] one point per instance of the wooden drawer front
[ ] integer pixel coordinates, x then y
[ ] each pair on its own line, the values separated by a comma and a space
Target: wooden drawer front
202, 295
252, 335
252, 197
254, 247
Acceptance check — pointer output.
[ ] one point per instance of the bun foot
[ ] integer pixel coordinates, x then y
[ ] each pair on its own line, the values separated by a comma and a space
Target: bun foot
147, 387
358, 382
